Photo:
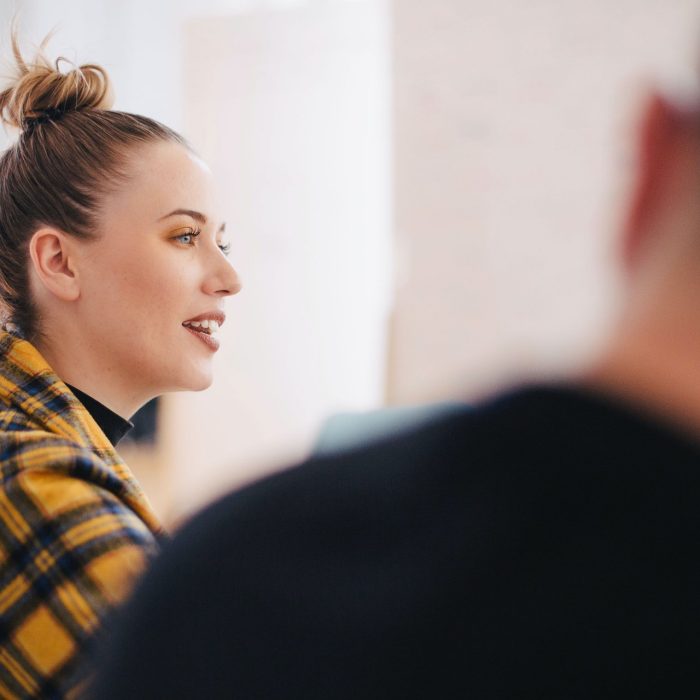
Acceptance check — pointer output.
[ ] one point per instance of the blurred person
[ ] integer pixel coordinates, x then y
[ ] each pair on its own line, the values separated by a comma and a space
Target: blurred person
543, 544
113, 276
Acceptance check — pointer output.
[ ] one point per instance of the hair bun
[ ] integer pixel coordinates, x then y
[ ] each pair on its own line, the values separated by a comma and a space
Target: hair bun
42, 92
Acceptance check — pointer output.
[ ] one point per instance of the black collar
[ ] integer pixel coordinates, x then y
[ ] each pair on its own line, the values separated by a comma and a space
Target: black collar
113, 426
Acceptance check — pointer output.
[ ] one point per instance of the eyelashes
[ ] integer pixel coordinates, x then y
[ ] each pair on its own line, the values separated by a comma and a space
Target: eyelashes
192, 234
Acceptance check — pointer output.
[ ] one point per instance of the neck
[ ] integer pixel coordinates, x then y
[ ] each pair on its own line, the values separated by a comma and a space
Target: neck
82, 366
655, 366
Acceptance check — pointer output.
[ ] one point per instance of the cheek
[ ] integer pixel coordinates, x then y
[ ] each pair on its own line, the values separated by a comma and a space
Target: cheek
151, 283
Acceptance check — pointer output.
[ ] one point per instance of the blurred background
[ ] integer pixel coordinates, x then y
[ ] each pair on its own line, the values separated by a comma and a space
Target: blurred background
422, 196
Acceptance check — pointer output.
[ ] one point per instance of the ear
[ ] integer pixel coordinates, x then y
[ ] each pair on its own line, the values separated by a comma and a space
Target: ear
655, 150
49, 251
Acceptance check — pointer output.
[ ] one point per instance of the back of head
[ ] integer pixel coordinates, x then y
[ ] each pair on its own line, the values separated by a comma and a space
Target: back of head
72, 150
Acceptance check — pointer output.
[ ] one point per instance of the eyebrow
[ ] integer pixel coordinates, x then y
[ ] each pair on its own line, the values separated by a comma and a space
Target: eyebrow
196, 215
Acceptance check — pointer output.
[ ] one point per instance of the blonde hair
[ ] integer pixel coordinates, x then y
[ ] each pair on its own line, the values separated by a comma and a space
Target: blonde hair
71, 152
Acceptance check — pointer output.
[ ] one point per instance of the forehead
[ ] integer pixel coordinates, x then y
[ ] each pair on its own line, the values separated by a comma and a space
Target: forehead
161, 177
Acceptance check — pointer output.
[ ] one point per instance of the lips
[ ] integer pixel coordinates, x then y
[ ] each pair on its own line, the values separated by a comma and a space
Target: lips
209, 340
204, 326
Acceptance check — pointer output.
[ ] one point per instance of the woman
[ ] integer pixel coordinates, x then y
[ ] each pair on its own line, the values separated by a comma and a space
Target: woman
113, 277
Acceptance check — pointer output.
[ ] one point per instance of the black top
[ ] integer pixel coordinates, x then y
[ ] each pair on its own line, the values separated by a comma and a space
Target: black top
544, 545
112, 425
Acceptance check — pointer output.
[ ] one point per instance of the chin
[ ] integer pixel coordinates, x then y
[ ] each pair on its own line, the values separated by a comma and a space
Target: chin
201, 382
197, 379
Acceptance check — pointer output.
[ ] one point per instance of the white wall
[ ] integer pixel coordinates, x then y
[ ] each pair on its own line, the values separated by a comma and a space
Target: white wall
139, 42
291, 109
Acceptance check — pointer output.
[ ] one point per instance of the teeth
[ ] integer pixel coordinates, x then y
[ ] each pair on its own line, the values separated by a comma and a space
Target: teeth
208, 325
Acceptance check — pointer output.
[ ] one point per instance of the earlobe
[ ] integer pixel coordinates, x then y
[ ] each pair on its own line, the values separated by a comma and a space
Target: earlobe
49, 251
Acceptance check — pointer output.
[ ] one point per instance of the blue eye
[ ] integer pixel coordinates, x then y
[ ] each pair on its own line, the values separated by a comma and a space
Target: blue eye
187, 238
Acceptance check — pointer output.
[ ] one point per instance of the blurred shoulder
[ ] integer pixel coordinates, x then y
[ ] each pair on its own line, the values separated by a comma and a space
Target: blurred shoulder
515, 442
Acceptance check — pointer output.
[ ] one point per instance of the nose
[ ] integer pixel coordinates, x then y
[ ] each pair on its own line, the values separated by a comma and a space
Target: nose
222, 280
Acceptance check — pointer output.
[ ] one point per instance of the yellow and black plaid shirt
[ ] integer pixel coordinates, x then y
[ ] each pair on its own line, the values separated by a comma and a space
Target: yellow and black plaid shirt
75, 529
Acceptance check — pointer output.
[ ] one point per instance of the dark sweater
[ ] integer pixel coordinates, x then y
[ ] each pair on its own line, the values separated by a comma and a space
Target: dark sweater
544, 545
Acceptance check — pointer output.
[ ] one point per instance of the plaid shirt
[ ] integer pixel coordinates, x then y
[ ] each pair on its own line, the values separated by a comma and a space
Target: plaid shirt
75, 529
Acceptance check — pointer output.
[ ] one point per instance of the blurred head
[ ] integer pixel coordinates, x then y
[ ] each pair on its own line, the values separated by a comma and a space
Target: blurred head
112, 245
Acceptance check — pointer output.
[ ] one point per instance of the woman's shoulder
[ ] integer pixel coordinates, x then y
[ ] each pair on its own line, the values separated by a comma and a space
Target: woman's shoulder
47, 476
71, 548
72, 552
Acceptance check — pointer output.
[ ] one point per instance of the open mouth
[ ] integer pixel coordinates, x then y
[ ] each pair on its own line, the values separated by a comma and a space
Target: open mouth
205, 333
208, 327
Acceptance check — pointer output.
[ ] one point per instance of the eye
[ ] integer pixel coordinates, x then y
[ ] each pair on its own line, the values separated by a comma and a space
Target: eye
187, 237
225, 248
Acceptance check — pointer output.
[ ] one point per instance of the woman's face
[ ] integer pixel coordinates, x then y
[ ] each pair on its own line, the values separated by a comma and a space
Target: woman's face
158, 263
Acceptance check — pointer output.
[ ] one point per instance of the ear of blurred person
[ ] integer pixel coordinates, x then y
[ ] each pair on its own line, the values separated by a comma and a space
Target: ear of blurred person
651, 358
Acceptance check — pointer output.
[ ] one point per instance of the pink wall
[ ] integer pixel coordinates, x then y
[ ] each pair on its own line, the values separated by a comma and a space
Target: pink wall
511, 123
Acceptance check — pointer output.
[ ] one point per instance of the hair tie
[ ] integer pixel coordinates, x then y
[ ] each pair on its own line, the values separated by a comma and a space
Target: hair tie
50, 114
